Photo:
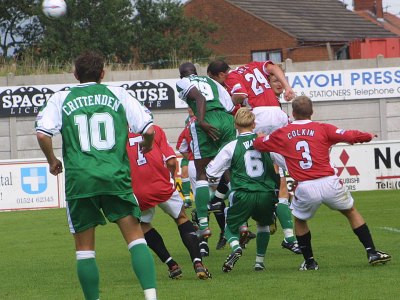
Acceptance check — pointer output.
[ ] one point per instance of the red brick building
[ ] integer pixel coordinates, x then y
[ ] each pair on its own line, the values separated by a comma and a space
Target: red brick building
372, 11
306, 30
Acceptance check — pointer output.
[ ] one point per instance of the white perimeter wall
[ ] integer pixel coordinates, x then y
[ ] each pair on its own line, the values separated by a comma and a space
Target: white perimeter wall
381, 116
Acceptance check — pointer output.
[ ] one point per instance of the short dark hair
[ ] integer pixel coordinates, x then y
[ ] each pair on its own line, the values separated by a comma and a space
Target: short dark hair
186, 69
89, 65
217, 66
302, 107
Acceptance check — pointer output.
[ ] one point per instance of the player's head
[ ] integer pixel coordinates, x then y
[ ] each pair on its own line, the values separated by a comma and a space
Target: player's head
89, 67
218, 70
275, 84
245, 119
302, 108
186, 69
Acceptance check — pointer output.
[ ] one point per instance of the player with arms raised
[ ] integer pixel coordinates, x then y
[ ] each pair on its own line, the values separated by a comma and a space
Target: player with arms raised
213, 128
305, 145
249, 86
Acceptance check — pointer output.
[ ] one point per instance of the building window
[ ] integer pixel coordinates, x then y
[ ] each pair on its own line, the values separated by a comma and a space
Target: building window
273, 55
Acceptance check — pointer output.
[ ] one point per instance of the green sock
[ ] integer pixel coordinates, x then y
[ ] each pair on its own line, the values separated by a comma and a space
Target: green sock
88, 275
262, 241
285, 218
202, 198
232, 238
186, 187
143, 265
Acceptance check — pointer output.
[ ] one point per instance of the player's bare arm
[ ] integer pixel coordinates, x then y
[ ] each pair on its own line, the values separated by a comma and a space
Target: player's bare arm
278, 73
238, 98
46, 144
171, 166
185, 155
196, 95
148, 137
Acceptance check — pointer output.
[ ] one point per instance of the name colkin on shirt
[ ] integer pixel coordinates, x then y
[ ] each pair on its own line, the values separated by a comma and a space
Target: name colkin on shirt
92, 100
299, 132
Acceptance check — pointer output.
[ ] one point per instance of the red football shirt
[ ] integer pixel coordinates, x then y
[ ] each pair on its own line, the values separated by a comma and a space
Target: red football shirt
251, 80
305, 146
185, 139
151, 180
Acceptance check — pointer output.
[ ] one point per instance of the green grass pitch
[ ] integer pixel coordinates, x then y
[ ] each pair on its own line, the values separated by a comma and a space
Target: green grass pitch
38, 260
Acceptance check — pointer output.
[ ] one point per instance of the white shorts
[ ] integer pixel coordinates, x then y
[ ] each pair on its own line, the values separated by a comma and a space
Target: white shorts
192, 176
172, 206
269, 118
310, 194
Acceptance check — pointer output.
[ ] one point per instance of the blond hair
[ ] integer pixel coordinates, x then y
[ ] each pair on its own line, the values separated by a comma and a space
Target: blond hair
244, 117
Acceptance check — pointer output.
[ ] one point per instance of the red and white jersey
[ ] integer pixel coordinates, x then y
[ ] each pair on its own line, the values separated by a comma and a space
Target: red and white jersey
151, 180
251, 80
305, 146
184, 142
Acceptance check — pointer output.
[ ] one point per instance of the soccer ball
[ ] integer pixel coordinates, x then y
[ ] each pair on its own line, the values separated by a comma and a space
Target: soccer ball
54, 9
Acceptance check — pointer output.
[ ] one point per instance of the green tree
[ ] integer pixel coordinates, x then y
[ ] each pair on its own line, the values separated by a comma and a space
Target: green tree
20, 27
151, 33
102, 25
163, 35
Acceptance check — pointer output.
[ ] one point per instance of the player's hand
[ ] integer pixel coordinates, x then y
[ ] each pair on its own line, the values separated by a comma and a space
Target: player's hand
373, 135
210, 130
56, 167
261, 134
289, 94
145, 147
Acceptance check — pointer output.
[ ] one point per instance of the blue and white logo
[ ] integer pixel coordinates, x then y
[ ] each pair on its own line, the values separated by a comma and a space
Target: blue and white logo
34, 180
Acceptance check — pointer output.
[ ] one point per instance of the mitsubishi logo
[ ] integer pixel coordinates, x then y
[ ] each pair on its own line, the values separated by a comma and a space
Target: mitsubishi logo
344, 158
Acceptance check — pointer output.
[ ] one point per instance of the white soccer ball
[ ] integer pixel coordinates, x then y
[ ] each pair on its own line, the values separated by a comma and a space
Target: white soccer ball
54, 9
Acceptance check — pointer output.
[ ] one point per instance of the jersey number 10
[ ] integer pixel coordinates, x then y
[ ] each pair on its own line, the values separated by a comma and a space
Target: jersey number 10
97, 132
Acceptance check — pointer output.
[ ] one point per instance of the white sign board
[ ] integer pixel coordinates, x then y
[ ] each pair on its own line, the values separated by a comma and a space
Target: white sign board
354, 84
28, 184
371, 166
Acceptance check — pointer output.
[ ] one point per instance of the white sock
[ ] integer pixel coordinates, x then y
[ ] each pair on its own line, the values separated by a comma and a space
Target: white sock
150, 294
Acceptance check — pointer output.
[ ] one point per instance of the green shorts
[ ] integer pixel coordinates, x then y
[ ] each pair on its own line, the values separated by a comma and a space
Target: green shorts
243, 205
85, 213
184, 162
203, 145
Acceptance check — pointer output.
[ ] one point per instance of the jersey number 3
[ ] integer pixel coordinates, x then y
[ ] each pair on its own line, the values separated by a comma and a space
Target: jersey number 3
306, 163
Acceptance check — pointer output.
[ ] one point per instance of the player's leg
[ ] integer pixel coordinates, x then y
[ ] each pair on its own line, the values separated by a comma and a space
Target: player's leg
304, 239
219, 196
141, 259
185, 182
360, 228
239, 210
217, 207
156, 243
263, 214
88, 272
284, 216
202, 195
124, 210
203, 242
304, 208
83, 215
220, 218
174, 208
336, 197
262, 241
